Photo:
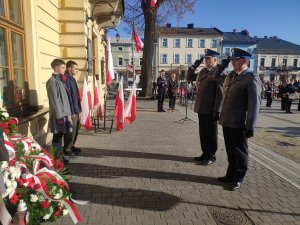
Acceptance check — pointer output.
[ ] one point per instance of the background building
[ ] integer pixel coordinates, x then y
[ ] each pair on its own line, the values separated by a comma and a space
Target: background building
123, 60
32, 34
179, 47
240, 40
277, 59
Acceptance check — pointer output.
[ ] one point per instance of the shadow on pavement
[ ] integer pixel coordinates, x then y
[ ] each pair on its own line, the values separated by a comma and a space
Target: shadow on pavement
290, 131
93, 152
125, 197
100, 171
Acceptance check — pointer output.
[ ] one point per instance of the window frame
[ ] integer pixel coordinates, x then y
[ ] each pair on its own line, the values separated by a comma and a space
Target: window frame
9, 26
120, 48
174, 61
186, 58
295, 63
200, 41
179, 41
162, 42
162, 57
120, 57
214, 41
187, 42
273, 62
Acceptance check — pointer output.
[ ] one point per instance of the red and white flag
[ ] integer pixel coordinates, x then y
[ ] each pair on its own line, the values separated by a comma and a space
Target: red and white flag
119, 107
138, 42
130, 108
85, 119
153, 2
109, 65
97, 106
129, 68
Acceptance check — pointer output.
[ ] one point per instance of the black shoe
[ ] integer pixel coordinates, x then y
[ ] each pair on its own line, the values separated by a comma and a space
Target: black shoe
76, 150
207, 162
65, 159
224, 179
163, 110
199, 158
235, 186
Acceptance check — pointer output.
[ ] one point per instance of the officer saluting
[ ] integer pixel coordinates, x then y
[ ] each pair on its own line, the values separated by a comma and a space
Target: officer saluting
208, 106
238, 116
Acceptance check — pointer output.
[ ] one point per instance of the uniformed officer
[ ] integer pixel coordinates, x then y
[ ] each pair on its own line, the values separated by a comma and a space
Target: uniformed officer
208, 106
238, 117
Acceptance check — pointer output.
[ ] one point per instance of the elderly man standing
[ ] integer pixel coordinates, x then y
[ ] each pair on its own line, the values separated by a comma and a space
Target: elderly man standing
162, 85
238, 117
208, 106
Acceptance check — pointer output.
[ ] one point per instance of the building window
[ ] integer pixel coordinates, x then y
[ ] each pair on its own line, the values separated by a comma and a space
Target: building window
188, 58
141, 61
120, 48
177, 43
164, 58
295, 63
262, 62
273, 63
176, 58
214, 43
189, 43
13, 77
202, 43
164, 43
227, 51
120, 61
200, 56
284, 63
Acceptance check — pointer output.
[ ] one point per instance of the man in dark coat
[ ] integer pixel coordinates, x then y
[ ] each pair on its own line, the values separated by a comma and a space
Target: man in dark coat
238, 117
290, 91
75, 106
60, 121
172, 90
208, 106
162, 86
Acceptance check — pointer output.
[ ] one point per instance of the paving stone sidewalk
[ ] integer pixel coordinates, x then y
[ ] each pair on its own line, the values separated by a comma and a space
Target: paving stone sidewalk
146, 175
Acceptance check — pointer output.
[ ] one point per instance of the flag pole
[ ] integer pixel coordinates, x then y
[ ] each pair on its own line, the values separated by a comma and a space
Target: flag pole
132, 39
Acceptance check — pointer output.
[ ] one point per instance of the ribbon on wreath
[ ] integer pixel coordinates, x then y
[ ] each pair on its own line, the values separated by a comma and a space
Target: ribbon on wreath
25, 140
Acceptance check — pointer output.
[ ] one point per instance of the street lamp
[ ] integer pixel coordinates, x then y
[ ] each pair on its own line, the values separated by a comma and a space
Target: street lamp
118, 37
113, 16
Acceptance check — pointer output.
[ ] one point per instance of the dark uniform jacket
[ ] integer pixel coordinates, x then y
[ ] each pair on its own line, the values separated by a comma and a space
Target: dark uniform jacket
241, 100
162, 84
209, 92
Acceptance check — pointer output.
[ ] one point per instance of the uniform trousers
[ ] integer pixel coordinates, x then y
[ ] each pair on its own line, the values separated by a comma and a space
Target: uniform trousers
236, 145
208, 130
160, 100
70, 138
288, 105
172, 100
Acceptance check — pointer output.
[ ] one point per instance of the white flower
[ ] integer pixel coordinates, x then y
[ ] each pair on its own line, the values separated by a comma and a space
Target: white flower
8, 183
46, 217
60, 191
14, 184
54, 188
57, 196
5, 114
51, 209
4, 165
9, 191
12, 169
65, 212
5, 175
33, 198
41, 154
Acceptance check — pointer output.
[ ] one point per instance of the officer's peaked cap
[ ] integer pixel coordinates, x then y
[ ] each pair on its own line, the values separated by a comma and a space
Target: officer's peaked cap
210, 53
237, 53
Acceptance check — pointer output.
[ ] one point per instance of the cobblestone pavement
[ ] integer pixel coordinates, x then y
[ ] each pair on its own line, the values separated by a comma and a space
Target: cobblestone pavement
146, 175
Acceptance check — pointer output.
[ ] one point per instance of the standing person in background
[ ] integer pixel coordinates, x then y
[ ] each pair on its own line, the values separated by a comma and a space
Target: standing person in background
281, 93
162, 85
154, 89
75, 106
242, 93
60, 121
208, 105
268, 93
172, 89
290, 91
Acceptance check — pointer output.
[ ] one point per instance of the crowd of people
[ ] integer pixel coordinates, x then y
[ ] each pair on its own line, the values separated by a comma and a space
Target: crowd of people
287, 92
64, 108
234, 102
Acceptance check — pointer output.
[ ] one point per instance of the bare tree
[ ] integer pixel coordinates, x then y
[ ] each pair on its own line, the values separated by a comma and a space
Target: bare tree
146, 20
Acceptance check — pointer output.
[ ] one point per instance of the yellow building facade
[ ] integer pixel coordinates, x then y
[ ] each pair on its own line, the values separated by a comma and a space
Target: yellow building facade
32, 34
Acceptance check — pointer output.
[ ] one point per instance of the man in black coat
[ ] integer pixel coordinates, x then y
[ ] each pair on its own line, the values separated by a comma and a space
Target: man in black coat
162, 86
208, 106
238, 117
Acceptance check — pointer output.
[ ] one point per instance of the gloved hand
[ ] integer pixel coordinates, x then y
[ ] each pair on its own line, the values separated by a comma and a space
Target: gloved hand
225, 62
198, 62
216, 116
249, 133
